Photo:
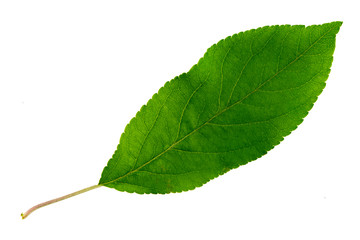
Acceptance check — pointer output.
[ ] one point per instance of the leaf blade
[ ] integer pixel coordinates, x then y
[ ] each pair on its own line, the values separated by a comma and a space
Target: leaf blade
223, 113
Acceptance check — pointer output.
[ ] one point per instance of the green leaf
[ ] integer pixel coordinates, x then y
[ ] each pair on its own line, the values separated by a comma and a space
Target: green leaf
243, 97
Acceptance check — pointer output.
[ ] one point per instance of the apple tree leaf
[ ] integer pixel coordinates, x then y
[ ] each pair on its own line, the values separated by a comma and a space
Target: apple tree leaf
240, 100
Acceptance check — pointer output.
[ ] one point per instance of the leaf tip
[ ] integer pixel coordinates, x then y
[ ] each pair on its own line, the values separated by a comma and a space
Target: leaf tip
339, 23
334, 26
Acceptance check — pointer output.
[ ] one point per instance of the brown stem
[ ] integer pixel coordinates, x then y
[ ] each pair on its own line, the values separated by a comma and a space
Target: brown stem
27, 213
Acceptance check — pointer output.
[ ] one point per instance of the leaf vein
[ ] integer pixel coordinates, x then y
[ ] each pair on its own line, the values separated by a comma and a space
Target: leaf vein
148, 133
222, 152
187, 103
222, 74
245, 66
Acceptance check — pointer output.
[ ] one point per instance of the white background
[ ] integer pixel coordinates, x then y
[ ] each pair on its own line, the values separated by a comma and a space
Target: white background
73, 73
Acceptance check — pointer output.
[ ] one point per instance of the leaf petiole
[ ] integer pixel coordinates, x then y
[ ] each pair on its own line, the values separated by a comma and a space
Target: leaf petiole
27, 213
